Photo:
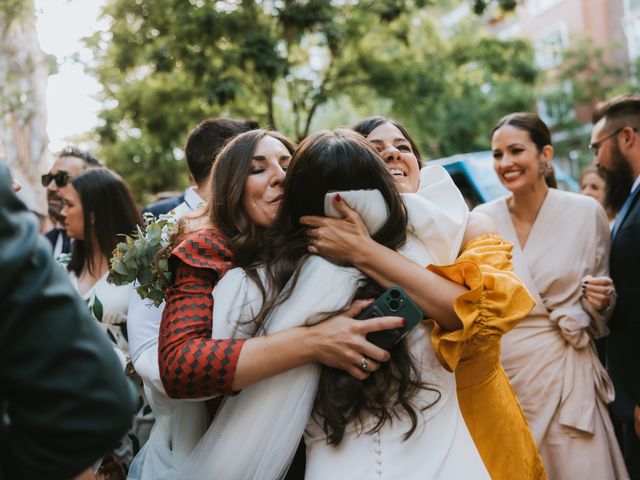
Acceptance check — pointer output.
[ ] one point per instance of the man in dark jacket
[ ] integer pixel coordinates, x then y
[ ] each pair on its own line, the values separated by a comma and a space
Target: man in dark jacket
64, 398
615, 142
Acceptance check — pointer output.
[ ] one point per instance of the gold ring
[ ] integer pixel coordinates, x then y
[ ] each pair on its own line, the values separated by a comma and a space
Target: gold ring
364, 364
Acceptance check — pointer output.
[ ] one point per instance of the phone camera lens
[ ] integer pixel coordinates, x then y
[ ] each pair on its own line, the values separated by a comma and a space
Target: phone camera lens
394, 293
394, 305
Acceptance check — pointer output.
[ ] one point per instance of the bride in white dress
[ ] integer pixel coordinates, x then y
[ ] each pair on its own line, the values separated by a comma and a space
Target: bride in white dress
414, 429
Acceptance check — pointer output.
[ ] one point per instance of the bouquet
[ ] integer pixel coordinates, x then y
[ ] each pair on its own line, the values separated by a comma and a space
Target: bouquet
142, 259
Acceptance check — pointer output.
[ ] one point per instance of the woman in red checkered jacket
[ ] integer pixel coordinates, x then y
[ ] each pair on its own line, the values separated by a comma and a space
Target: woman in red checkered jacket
246, 185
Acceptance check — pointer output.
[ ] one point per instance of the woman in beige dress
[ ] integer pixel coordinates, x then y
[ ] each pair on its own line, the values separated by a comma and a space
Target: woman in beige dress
561, 245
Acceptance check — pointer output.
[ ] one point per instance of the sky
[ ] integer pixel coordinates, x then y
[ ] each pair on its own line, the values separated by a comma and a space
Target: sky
71, 103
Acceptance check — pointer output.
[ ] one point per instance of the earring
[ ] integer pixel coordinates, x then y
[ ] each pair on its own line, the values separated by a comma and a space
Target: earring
545, 169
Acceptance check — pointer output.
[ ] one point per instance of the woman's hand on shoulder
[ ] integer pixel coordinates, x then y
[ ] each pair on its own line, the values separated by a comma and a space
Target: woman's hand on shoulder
340, 341
341, 239
478, 224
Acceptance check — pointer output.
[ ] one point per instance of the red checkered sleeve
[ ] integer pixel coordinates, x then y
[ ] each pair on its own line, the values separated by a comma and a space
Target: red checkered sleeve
192, 364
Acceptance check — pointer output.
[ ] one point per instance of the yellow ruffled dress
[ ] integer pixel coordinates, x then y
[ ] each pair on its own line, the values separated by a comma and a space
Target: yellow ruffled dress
496, 301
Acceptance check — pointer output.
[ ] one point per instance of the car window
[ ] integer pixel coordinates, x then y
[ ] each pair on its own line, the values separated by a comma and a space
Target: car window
474, 175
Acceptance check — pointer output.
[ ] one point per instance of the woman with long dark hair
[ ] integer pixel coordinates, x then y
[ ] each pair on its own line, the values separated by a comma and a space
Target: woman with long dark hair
495, 302
246, 193
98, 210
401, 422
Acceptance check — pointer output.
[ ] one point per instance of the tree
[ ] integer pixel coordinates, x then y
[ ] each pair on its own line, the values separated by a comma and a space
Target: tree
587, 75
450, 90
166, 64
480, 6
23, 76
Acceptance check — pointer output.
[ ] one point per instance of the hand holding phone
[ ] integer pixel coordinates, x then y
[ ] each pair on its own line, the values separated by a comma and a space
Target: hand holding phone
392, 302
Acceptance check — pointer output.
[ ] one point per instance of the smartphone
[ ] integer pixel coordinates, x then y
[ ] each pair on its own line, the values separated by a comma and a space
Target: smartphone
392, 302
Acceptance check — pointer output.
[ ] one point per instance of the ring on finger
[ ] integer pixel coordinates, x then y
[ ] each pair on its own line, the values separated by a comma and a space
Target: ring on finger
364, 365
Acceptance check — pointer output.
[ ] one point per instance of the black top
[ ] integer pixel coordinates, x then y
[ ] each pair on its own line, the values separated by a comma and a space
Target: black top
623, 342
53, 235
64, 397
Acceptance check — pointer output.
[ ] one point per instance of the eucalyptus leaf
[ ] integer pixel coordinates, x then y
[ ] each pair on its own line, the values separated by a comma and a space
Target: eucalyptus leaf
120, 268
129, 256
144, 277
163, 265
98, 309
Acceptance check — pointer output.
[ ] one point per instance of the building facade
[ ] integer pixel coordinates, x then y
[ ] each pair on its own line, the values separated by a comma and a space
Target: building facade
602, 31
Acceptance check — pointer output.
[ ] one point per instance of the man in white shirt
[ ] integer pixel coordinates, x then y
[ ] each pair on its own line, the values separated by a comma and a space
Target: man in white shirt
143, 319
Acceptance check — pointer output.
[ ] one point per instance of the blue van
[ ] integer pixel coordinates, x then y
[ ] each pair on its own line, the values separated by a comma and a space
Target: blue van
474, 175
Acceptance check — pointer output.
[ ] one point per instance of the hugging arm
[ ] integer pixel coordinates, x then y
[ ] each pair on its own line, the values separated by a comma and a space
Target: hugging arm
347, 240
191, 363
194, 365
337, 342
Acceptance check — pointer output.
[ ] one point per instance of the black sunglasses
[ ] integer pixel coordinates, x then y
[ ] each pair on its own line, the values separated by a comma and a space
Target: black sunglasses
61, 178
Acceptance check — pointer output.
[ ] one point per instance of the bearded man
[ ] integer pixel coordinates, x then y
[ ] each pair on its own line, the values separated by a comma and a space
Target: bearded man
70, 162
615, 143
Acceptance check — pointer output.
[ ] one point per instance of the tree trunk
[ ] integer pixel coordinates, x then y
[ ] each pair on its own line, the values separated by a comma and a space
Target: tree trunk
23, 116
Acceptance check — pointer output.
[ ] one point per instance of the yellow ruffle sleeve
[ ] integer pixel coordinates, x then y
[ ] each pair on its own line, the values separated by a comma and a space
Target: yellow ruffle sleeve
496, 301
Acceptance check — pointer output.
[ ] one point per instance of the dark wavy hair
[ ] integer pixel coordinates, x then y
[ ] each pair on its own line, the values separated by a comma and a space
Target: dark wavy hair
367, 125
88, 159
538, 132
228, 177
324, 162
109, 212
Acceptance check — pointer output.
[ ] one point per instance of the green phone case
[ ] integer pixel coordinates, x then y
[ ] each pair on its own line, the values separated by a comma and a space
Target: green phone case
392, 302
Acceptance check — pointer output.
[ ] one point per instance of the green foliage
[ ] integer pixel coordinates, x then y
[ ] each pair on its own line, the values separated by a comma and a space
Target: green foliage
97, 310
588, 74
166, 64
591, 75
143, 258
13, 10
450, 90
480, 6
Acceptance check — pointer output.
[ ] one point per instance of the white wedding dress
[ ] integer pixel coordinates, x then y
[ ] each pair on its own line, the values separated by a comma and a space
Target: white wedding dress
256, 432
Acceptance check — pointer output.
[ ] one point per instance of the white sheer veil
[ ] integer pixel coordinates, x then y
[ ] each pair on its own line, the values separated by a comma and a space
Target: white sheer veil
256, 432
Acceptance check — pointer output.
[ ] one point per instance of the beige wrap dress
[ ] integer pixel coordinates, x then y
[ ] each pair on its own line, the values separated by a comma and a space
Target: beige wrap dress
549, 357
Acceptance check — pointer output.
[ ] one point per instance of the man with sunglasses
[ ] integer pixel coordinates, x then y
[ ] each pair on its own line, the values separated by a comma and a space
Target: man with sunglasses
615, 144
70, 162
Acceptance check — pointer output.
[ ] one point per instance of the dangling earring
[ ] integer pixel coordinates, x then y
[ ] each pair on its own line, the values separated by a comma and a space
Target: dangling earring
545, 169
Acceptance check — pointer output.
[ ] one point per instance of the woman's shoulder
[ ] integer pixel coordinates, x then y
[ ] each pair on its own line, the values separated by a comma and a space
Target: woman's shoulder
576, 199
491, 206
204, 248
